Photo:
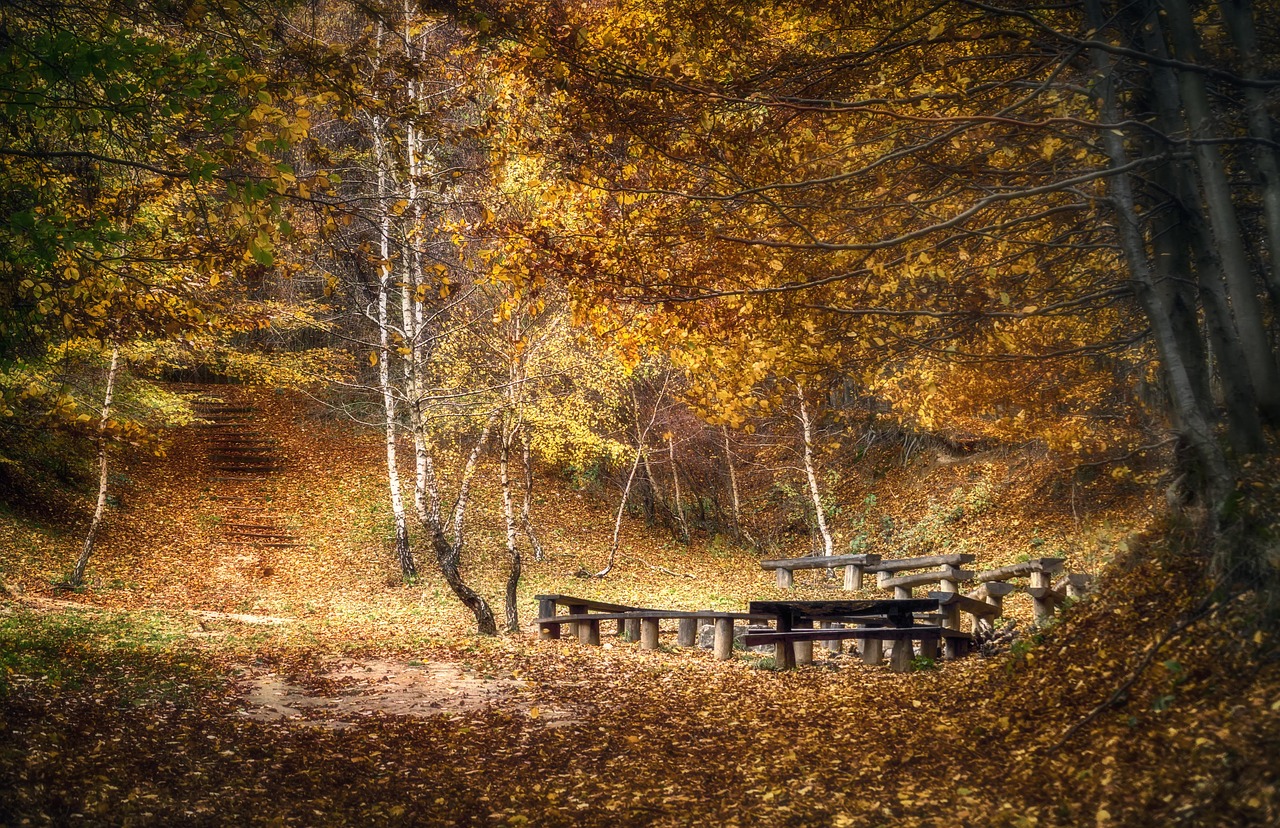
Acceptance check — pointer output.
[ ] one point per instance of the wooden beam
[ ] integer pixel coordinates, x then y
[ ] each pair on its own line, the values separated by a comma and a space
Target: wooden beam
965, 604
1003, 573
922, 578
820, 562
901, 564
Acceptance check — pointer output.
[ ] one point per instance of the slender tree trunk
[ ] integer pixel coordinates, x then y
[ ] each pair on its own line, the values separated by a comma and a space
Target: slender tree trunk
449, 554
1241, 283
1189, 411
642, 437
403, 551
806, 431
513, 551
735, 499
526, 523
675, 488
77, 574
617, 519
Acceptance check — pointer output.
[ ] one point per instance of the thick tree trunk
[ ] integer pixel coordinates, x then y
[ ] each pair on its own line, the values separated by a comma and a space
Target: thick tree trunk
77, 574
1187, 226
806, 431
1242, 286
1188, 410
1238, 15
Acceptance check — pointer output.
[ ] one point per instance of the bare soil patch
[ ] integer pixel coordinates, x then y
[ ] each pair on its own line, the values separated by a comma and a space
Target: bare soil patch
342, 693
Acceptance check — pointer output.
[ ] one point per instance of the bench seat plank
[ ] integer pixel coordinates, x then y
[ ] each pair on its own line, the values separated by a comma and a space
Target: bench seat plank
878, 633
925, 562
820, 562
1046, 565
922, 578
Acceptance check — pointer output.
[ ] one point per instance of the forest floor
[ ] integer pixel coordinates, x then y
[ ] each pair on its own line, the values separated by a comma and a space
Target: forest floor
196, 681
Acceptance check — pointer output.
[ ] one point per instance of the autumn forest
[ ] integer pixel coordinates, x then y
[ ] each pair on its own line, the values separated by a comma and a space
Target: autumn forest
640, 412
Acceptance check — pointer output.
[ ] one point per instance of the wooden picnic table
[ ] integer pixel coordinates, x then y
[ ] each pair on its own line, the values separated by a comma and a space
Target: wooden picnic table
894, 619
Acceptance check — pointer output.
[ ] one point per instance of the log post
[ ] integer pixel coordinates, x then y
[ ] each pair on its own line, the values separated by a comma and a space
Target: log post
786, 579
1043, 606
835, 645
784, 653
852, 578
547, 609
632, 629
687, 636
648, 633
951, 647
724, 638
589, 632
929, 648
622, 628
804, 649
575, 627
951, 584
900, 660
901, 593
872, 651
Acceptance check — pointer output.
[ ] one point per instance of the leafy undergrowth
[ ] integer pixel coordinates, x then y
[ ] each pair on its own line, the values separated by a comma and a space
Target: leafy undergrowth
126, 705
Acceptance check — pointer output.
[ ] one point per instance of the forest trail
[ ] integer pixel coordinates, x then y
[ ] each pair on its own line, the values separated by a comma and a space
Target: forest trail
241, 465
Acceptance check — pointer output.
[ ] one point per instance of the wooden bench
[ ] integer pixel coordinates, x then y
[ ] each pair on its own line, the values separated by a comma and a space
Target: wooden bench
948, 574
643, 625
548, 604
873, 636
854, 566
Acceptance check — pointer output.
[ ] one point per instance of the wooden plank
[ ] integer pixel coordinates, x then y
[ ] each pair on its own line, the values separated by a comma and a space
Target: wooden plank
922, 578
820, 562
965, 604
840, 610
1003, 573
900, 564
566, 600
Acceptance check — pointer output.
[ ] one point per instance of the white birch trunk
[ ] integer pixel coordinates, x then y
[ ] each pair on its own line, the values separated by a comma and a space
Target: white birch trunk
806, 429
508, 513
77, 575
403, 552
